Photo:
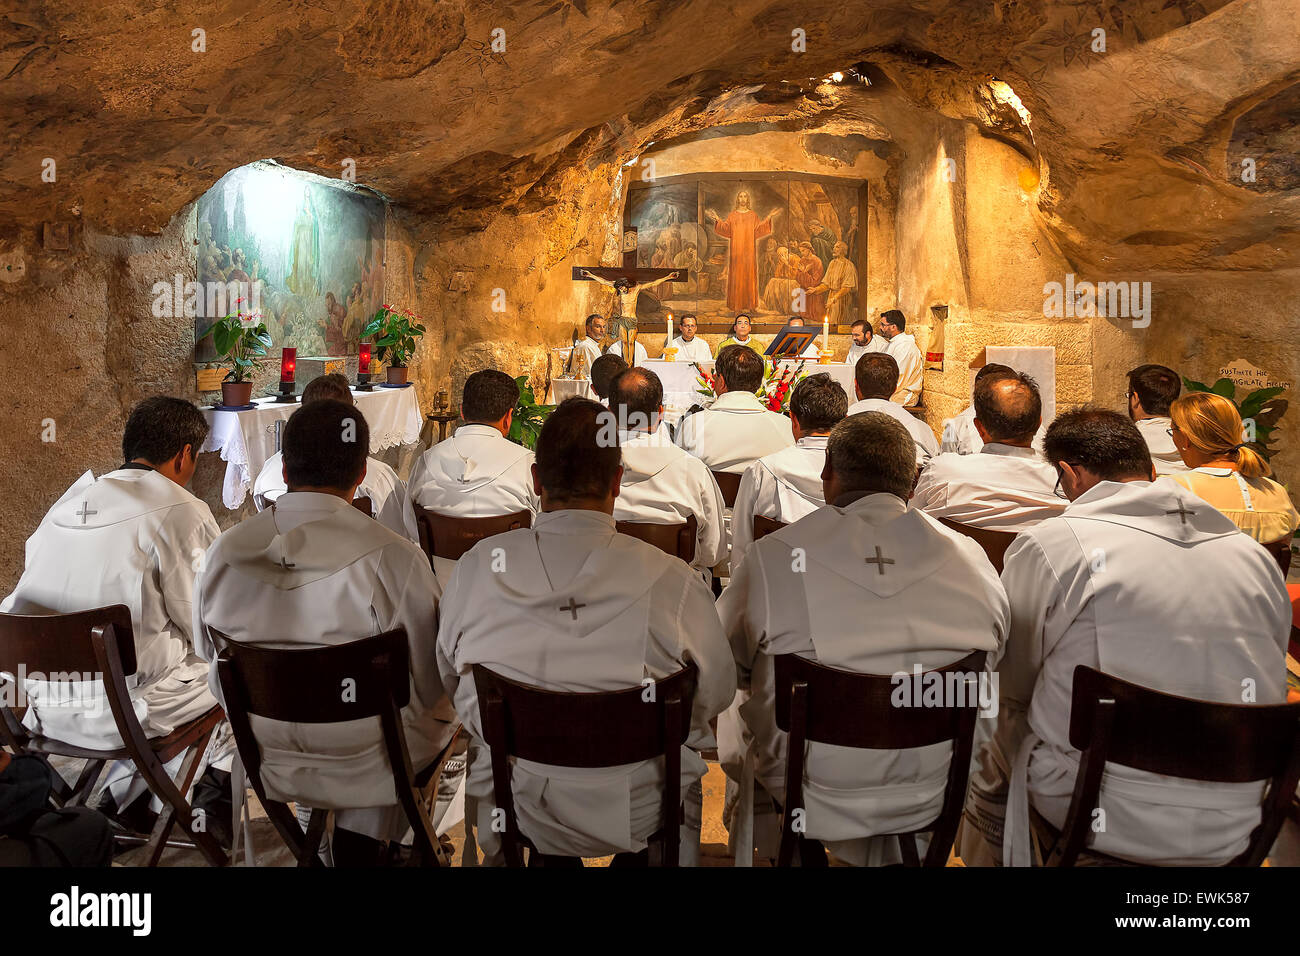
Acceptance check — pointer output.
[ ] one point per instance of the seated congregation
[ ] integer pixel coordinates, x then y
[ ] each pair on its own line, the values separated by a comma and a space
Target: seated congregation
546, 620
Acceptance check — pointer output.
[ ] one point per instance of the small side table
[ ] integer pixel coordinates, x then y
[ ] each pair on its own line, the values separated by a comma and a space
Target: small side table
443, 419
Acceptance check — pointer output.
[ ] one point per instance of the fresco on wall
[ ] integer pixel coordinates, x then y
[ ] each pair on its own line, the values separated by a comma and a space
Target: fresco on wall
756, 246
309, 252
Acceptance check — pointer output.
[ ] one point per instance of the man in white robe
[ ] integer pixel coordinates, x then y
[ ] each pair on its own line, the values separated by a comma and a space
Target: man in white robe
1151, 390
736, 430
786, 485
875, 378
312, 571
134, 536
902, 346
571, 605
863, 584
661, 483
1143, 581
1007, 486
590, 346
864, 341
390, 502
690, 347
959, 433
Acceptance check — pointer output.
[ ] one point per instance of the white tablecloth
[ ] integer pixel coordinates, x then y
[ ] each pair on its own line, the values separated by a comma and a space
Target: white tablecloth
562, 388
247, 439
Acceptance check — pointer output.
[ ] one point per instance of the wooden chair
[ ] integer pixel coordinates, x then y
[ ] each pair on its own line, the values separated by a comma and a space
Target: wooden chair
101, 642
994, 543
728, 484
1114, 721
848, 709
364, 505
585, 730
301, 685
765, 526
447, 536
675, 539
1281, 551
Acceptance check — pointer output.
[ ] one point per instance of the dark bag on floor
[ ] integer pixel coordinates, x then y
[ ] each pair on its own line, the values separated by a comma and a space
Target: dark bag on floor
33, 834
24, 794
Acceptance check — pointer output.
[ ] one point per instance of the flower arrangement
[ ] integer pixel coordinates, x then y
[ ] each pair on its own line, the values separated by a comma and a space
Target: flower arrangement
397, 333
240, 340
777, 383
705, 379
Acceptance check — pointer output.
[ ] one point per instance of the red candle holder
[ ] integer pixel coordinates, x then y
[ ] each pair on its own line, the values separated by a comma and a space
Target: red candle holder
363, 370
288, 364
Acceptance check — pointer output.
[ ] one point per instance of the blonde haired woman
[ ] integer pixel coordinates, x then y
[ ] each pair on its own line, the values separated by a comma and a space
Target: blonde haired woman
1207, 432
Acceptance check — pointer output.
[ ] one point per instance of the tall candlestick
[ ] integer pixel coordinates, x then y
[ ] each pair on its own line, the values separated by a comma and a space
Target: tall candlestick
826, 333
670, 328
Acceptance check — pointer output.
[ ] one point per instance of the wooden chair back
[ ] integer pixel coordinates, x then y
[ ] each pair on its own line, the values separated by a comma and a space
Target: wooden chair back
675, 539
849, 709
447, 536
994, 543
363, 504
1114, 721
729, 485
304, 686
765, 526
99, 644
604, 729
1281, 551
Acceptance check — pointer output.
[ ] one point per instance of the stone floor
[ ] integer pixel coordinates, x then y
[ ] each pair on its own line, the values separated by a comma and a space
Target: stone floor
271, 851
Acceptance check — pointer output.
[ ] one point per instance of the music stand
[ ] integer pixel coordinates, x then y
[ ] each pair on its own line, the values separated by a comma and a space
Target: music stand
791, 341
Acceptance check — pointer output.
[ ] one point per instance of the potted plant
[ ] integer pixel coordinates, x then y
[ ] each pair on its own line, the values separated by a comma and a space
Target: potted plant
526, 423
239, 343
395, 335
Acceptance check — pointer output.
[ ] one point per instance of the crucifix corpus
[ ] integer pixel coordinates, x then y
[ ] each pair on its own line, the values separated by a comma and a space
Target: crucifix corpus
627, 281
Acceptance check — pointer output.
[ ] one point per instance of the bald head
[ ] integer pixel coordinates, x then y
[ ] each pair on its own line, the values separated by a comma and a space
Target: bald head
636, 396
868, 453
1008, 409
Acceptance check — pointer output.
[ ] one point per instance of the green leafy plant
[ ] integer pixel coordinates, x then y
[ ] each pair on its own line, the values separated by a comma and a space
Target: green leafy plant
396, 334
239, 342
1260, 411
526, 423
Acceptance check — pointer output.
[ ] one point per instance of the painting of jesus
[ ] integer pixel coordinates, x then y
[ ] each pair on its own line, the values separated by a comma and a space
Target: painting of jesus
743, 227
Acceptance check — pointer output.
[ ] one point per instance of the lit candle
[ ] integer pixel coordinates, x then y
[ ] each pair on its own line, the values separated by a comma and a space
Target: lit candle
363, 361
670, 328
288, 362
826, 333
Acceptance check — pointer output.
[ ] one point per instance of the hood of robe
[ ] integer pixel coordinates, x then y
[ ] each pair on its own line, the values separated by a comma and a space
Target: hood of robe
302, 538
466, 462
116, 497
806, 484
646, 455
1152, 508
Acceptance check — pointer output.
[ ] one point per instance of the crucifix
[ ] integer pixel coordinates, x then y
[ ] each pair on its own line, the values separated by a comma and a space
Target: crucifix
627, 281
880, 560
85, 512
1182, 514
571, 607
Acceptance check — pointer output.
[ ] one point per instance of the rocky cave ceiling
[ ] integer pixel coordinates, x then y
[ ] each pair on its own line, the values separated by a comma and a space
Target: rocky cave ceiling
1139, 149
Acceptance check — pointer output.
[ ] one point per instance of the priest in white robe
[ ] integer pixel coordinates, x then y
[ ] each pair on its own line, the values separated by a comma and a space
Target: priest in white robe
661, 483
1147, 583
864, 341
737, 429
1151, 390
579, 607
134, 536
787, 485
590, 347
312, 571
929, 597
902, 346
390, 502
1007, 486
690, 347
875, 379
959, 434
